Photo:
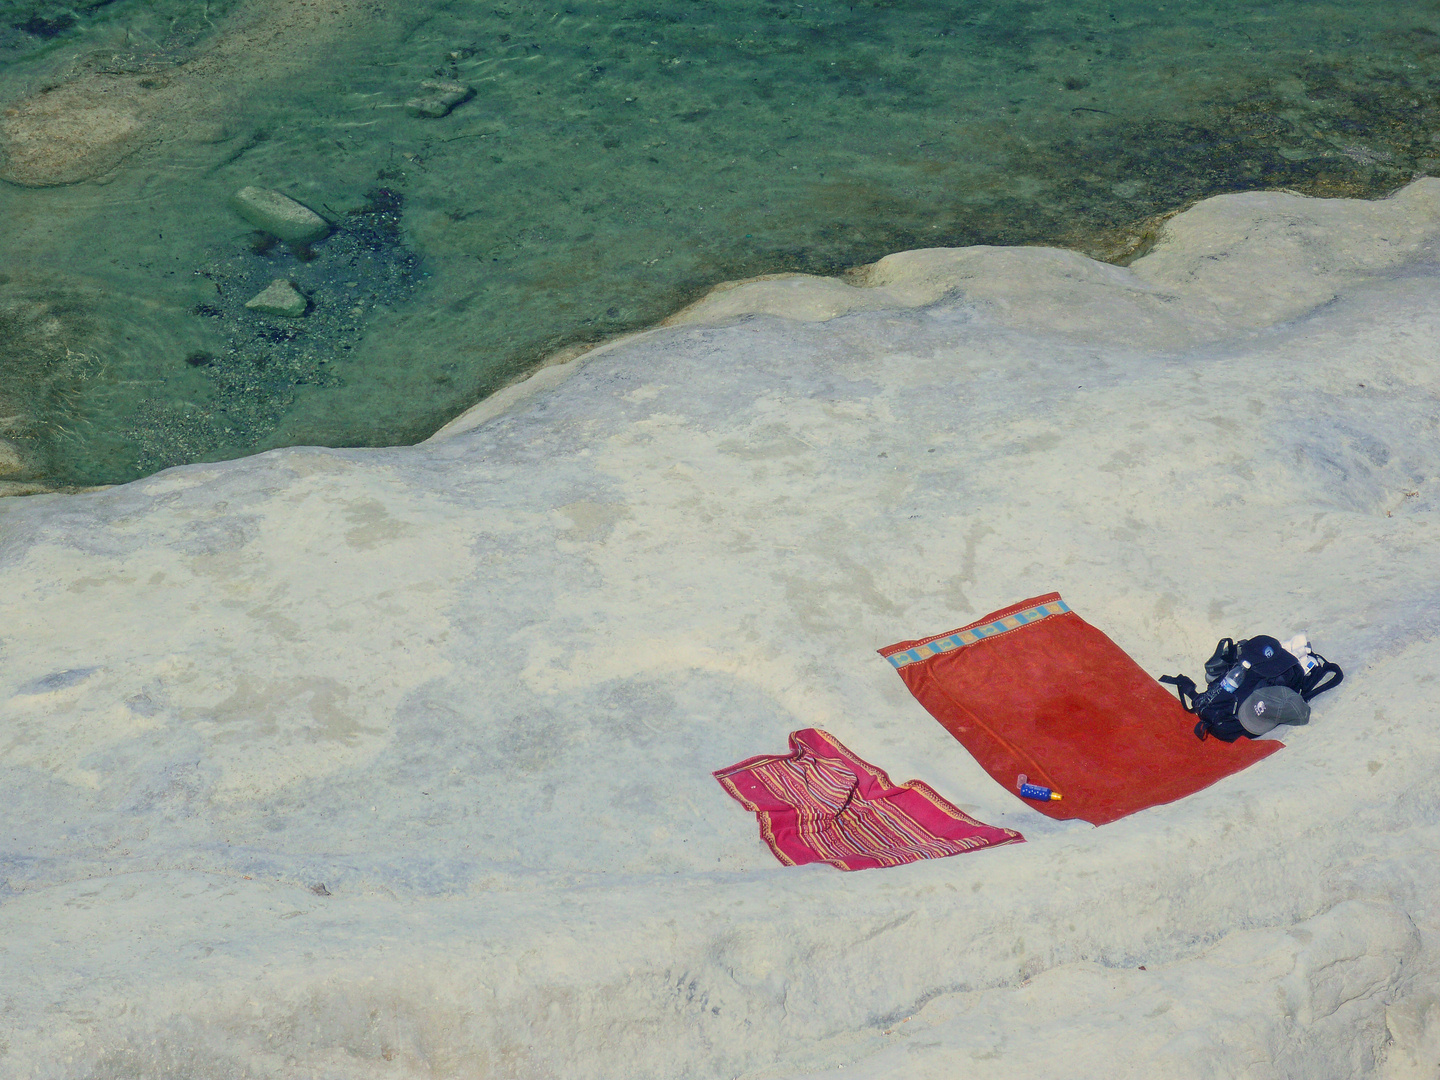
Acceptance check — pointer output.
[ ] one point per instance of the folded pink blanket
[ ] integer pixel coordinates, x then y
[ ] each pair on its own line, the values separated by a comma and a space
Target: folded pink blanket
821, 803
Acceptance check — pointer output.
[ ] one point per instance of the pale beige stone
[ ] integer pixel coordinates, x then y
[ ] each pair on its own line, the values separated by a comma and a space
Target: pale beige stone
279, 298
279, 215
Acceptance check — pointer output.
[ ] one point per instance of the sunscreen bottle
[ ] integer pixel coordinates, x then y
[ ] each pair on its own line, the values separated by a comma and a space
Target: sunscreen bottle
1035, 791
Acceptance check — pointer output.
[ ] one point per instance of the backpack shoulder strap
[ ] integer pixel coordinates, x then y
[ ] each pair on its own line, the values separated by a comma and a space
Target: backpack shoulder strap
1185, 688
1317, 682
1222, 659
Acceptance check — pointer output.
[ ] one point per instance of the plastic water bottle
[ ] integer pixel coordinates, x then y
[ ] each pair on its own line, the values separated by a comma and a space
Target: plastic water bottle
1234, 677
1035, 791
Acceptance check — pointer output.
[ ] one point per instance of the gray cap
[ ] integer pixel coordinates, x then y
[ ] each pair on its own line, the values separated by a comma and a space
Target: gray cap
1271, 705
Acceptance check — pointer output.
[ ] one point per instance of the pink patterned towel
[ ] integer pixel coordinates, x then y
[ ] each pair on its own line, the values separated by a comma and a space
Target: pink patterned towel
821, 803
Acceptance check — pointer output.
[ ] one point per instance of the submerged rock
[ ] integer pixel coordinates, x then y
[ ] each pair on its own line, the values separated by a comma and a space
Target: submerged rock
279, 215
50, 350
10, 462
439, 99
279, 298
71, 134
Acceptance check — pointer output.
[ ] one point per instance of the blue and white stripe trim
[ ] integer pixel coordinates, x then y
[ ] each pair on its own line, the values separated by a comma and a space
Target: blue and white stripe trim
971, 635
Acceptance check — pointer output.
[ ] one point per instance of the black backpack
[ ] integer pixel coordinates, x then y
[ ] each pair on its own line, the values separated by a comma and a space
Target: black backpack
1229, 681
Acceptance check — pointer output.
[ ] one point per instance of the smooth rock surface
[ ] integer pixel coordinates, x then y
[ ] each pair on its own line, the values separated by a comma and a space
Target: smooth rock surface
280, 297
475, 689
279, 215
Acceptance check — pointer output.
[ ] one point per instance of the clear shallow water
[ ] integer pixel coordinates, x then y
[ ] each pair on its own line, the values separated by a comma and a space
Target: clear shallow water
617, 160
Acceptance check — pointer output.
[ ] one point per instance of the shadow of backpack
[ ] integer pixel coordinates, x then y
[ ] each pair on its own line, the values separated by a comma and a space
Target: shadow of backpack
1249, 665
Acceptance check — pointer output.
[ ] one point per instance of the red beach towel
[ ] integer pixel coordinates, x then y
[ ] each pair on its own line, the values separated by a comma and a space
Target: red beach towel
821, 803
1034, 689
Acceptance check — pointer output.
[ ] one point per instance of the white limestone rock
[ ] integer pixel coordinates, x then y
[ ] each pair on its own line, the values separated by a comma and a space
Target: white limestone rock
280, 297
476, 688
279, 215
438, 99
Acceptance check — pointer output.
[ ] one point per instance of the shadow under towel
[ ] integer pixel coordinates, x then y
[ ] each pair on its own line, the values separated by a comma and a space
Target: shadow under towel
821, 803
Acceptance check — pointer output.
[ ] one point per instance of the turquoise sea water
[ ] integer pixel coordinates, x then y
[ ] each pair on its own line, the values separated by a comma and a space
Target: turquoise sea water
617, 159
